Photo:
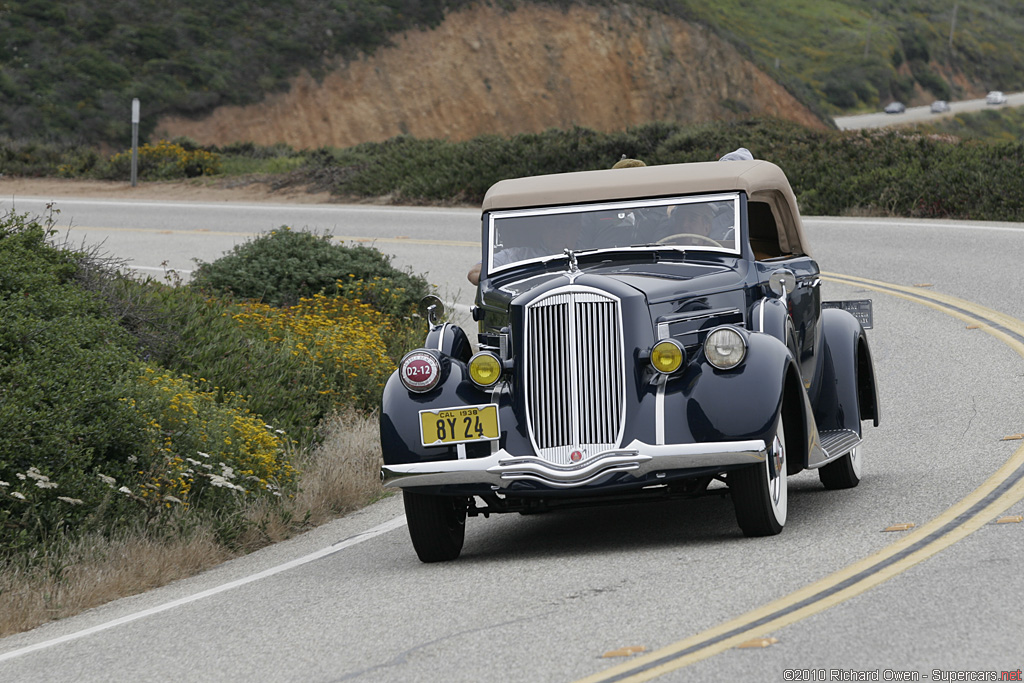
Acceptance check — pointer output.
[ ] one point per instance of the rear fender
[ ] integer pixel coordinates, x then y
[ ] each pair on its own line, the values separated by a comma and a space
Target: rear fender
849, 393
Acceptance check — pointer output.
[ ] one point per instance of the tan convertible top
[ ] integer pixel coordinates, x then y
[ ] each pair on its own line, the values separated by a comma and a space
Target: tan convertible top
762, 181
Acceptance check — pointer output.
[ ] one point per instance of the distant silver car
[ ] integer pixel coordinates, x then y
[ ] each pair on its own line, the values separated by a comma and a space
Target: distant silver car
995, 97
940, 106
895, 108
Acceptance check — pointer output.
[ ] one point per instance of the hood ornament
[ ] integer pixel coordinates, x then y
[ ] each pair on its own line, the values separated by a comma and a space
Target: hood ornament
573, 265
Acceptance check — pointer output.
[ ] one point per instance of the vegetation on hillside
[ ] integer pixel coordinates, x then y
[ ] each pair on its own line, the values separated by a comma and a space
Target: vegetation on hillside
926, 172
69, 70
860, 54
164, 407
897, 173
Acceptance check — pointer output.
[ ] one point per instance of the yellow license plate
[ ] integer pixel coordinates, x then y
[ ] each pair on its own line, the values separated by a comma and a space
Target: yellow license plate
459, 425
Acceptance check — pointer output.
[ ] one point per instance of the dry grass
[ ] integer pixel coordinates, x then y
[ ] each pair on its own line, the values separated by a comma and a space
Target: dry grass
339, 476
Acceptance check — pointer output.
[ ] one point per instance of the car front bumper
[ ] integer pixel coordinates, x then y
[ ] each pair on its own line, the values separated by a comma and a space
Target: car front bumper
501, 469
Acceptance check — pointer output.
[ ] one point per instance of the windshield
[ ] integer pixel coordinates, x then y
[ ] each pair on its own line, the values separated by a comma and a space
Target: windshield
704, 223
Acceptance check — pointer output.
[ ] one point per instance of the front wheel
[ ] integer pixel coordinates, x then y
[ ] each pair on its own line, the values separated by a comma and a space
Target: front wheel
760, 493
843, 473
437, 525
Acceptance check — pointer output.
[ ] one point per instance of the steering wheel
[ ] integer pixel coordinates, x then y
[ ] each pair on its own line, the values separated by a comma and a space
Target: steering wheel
700, 238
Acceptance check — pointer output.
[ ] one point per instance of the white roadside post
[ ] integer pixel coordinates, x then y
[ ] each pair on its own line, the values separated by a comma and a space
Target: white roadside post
135, 141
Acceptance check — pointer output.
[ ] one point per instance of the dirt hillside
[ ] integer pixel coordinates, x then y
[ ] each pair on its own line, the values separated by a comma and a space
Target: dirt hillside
485, 70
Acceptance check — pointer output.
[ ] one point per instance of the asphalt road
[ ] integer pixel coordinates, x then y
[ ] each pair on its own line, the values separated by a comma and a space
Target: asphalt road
921, 114
544, 598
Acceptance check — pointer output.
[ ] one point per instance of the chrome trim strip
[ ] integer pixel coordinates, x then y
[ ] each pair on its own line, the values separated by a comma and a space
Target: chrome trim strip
760, 321
659, 413
687, 317
501, 469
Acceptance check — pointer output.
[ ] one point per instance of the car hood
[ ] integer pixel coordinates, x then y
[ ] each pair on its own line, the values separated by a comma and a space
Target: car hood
665, 282
661, 282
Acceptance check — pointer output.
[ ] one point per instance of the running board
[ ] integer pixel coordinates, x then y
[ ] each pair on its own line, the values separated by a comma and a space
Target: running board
837, 443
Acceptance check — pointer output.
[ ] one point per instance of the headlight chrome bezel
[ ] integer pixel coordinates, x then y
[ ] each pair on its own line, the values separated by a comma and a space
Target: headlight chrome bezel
725, 337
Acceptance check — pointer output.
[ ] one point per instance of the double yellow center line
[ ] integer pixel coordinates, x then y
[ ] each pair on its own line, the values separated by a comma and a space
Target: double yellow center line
1003, 489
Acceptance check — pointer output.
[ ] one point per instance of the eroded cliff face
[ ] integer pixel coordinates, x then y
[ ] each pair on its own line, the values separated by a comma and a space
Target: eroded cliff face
485, 70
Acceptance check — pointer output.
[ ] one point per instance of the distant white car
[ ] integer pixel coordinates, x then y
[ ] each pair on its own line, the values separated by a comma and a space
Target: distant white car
940, 106
895, 108
995, 97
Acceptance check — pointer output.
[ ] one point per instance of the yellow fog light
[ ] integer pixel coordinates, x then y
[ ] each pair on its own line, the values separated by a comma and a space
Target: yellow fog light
484, 369
667, 356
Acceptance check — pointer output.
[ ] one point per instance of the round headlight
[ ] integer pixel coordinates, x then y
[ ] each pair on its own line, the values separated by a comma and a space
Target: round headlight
667, 356
420, 371
725, 348
484, 369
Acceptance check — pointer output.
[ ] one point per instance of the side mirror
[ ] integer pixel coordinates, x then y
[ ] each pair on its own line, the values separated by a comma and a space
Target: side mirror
432, 309
782, 282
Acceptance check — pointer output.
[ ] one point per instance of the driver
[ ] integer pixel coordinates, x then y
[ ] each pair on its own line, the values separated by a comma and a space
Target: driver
686, 224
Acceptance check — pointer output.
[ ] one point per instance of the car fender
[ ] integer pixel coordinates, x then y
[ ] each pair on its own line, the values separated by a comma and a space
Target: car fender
848, 390
400, 415
451, 340
771, 317
745, 402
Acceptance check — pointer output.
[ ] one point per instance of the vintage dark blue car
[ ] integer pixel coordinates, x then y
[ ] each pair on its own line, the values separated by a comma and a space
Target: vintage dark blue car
643, 333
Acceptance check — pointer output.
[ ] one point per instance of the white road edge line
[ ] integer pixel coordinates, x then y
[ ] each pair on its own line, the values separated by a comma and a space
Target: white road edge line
323, 552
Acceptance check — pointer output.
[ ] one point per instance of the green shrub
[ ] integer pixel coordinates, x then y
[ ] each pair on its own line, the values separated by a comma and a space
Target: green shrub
162, 161
63, 368
283, 266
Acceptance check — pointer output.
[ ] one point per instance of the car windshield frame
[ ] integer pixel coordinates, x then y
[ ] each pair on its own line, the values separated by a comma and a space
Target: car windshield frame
516, 237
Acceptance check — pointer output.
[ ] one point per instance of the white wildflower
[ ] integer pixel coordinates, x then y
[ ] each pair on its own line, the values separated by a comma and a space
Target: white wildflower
17, 495
227, 472
133, 459
171, 499
71, 501
205, 455
4, 483
194, 462
19, 475
109, 481
34, 473
124, 489
46, 484
221, 482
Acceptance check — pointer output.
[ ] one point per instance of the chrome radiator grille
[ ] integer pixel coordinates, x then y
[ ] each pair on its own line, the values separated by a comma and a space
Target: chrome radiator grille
575, 374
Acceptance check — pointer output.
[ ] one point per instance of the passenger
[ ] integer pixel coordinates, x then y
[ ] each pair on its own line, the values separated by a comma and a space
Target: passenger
555, 234
519, 253
738, 154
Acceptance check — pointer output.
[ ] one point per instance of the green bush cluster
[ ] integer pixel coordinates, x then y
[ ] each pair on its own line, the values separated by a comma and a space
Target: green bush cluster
282, 266
901, 172
161, 161
127, 402
64, 367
